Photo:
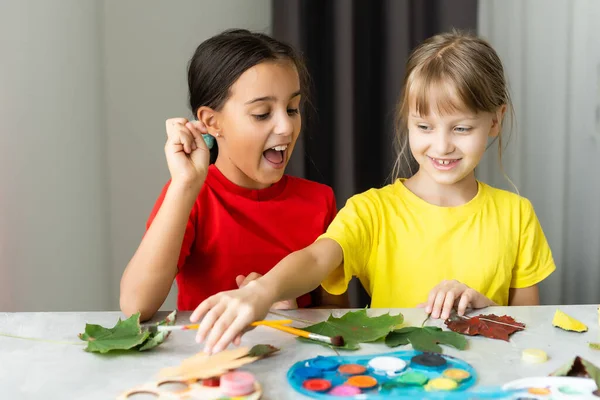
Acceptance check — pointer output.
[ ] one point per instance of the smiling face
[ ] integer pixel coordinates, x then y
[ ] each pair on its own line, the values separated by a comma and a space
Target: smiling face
454, 97
259, 124
448, 140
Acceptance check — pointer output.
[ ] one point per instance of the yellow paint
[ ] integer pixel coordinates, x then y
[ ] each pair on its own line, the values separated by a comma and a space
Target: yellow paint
456, 374
441, 384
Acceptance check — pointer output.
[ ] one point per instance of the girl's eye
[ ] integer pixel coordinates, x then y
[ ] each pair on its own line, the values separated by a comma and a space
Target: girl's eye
292, 111
261, 117
462, 129
424, 128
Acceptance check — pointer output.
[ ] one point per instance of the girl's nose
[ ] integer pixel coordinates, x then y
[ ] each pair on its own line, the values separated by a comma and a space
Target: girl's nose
284, 125
443, 143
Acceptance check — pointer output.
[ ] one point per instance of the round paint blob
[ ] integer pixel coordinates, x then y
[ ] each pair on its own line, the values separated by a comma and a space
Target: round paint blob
441, 384
456, 374
362, 381
211, 382
429, 360
344, 390
325, 364
237, 383
570, 390
390, 385
389, 365
351, 369
317, 385
412, 378
542, 391
308, 373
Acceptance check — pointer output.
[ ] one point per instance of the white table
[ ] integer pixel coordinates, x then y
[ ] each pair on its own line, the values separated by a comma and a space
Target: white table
35, 370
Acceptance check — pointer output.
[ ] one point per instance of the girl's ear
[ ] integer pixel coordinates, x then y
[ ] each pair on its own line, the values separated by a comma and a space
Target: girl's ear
210, 119
497, 121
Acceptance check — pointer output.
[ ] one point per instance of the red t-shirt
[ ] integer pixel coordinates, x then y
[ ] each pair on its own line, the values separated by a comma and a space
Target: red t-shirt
235, 231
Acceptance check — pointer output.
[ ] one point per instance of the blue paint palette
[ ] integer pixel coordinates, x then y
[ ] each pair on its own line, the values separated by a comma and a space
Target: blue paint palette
396, 375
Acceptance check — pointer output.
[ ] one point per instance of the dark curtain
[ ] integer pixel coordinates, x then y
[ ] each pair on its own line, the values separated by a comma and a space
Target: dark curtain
355, 51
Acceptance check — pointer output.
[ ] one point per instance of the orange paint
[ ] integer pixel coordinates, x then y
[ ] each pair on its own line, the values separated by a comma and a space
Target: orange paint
351, 369
542, 391
362, 381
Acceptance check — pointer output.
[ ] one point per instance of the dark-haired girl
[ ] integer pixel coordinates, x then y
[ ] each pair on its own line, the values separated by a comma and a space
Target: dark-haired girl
229, 213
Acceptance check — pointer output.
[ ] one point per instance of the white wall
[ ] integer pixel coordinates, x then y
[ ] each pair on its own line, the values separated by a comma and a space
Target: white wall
53, 196
551, 53
85, 87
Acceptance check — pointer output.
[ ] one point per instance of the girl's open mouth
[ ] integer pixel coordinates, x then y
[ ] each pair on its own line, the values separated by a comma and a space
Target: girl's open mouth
276, 156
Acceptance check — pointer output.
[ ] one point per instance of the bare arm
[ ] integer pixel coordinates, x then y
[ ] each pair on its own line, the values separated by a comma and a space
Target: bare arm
149, 275
529, 296
226, 314
302, 271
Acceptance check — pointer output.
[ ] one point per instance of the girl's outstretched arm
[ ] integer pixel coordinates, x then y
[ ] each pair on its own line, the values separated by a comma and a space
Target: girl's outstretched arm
320, 297
226, 314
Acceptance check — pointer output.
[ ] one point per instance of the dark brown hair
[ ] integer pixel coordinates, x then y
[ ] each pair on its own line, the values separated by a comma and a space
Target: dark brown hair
219, 61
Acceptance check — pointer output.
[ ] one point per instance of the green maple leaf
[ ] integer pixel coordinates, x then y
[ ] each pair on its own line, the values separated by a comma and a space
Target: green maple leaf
157, 338
426, 339
125, 335
595, 346
355, 327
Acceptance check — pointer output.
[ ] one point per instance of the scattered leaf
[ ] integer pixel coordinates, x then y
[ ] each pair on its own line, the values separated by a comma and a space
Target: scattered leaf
124, 335
581, 368
157, 338
355, 327
262, 350
425, 339
595, 346
568, 323
491, 326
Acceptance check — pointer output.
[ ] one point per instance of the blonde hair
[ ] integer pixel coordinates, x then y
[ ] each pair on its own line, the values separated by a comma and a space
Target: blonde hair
466, 68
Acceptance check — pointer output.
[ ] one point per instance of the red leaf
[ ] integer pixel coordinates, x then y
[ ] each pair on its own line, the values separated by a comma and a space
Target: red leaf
490, 326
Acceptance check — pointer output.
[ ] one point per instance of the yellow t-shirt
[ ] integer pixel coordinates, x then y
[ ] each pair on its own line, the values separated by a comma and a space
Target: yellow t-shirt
400, 247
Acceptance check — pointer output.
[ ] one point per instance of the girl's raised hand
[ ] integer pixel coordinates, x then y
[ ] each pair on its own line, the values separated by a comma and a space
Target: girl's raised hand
187, 154
226, 315
448, 294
